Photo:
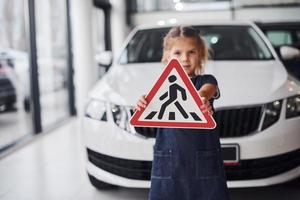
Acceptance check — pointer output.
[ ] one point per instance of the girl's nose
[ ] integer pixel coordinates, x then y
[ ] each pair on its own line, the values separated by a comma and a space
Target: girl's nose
184, 57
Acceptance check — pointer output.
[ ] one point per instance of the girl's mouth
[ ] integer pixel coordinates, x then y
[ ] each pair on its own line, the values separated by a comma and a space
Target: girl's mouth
186, 66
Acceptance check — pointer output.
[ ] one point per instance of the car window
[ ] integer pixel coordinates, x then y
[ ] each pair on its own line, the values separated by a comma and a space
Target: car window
235, 43
279, 37
145, 46
226, 43
298, 36
261, 49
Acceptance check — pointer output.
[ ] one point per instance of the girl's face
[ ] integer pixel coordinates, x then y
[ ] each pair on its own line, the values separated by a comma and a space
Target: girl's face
187, 52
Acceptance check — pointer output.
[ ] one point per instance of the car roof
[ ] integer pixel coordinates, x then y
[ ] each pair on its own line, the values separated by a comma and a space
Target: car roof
174, 22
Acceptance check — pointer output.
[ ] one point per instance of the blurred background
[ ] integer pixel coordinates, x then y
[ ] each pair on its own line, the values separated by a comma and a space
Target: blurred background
52, 53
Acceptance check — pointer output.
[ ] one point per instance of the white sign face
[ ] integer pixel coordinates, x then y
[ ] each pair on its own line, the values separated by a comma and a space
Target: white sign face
173, 102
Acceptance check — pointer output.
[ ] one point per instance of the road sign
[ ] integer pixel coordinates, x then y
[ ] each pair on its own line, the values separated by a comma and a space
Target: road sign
173, 102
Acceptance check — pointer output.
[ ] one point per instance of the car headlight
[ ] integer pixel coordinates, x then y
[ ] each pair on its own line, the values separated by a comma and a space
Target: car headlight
293, 107
121, 116
272, 113
96, 109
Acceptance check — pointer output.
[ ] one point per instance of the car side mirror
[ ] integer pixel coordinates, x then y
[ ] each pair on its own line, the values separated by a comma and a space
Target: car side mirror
288, 52
104, 59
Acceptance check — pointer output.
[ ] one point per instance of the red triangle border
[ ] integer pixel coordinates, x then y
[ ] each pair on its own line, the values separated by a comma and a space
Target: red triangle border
174, 63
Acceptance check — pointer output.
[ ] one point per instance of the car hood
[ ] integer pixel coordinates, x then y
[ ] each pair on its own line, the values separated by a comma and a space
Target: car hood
240, 82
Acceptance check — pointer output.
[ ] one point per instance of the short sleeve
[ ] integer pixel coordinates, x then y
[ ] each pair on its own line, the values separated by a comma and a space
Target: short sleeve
208, 78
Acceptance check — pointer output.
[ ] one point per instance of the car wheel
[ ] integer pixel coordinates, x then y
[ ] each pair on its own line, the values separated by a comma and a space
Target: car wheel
26, 104
100, 185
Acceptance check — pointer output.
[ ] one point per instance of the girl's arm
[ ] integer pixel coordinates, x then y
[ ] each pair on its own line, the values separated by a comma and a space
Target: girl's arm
206, 92
142, 103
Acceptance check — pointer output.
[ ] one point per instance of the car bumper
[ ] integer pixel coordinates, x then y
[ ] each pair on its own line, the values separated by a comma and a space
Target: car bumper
256, 172
266, 158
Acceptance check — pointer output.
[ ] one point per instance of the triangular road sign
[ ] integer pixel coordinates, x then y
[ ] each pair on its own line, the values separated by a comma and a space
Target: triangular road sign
173, 102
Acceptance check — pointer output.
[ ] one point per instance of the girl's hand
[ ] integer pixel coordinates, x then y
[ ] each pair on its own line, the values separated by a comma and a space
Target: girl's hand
206, 107
142, 103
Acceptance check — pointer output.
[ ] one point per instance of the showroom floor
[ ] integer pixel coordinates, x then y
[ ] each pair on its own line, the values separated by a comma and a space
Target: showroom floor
53, 167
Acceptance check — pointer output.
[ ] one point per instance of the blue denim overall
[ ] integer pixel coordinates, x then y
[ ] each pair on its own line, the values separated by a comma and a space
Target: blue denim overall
187, 163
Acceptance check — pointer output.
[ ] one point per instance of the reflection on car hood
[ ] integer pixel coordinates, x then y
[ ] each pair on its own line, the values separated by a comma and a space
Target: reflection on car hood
240, 82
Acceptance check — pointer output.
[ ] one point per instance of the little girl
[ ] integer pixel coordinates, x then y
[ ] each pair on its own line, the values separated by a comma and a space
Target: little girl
187, 163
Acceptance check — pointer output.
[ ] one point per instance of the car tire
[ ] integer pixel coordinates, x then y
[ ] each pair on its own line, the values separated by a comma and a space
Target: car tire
100, 185
26, 104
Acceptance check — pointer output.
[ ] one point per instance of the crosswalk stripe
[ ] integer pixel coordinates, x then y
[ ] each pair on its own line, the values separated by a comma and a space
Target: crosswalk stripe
171, 115
195, 116
151, 115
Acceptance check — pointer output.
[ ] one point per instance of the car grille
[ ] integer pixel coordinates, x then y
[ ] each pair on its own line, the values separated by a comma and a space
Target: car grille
246, 170
231, 122
5, 82
6, 87
140, 170
238, 122
148, 132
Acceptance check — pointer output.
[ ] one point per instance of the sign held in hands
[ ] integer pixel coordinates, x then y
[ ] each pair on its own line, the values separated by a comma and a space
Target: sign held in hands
173, 102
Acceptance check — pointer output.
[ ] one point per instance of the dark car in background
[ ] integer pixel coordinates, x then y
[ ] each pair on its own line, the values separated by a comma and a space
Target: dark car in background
286, 35
7, 90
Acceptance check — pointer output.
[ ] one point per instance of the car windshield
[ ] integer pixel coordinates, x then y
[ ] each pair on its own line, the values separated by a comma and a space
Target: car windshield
226, 43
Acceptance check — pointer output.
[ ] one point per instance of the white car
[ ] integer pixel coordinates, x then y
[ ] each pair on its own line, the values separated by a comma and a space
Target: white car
51, 75
258, 113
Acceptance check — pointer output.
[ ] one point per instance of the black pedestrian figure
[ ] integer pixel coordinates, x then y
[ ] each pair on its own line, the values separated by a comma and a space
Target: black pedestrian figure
172, 97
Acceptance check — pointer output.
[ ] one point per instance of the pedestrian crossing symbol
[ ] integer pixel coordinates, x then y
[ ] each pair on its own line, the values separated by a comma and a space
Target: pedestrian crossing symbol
173, 102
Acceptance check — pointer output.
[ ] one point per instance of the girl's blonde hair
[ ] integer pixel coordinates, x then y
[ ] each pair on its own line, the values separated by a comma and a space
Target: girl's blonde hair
189, 32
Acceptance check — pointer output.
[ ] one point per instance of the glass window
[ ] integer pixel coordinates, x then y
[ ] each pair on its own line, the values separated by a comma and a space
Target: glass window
261, 48
226, 43
280, 37
235, 43
15, 114
51, 38
98, 34
145, 46
298, 36
157, 5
